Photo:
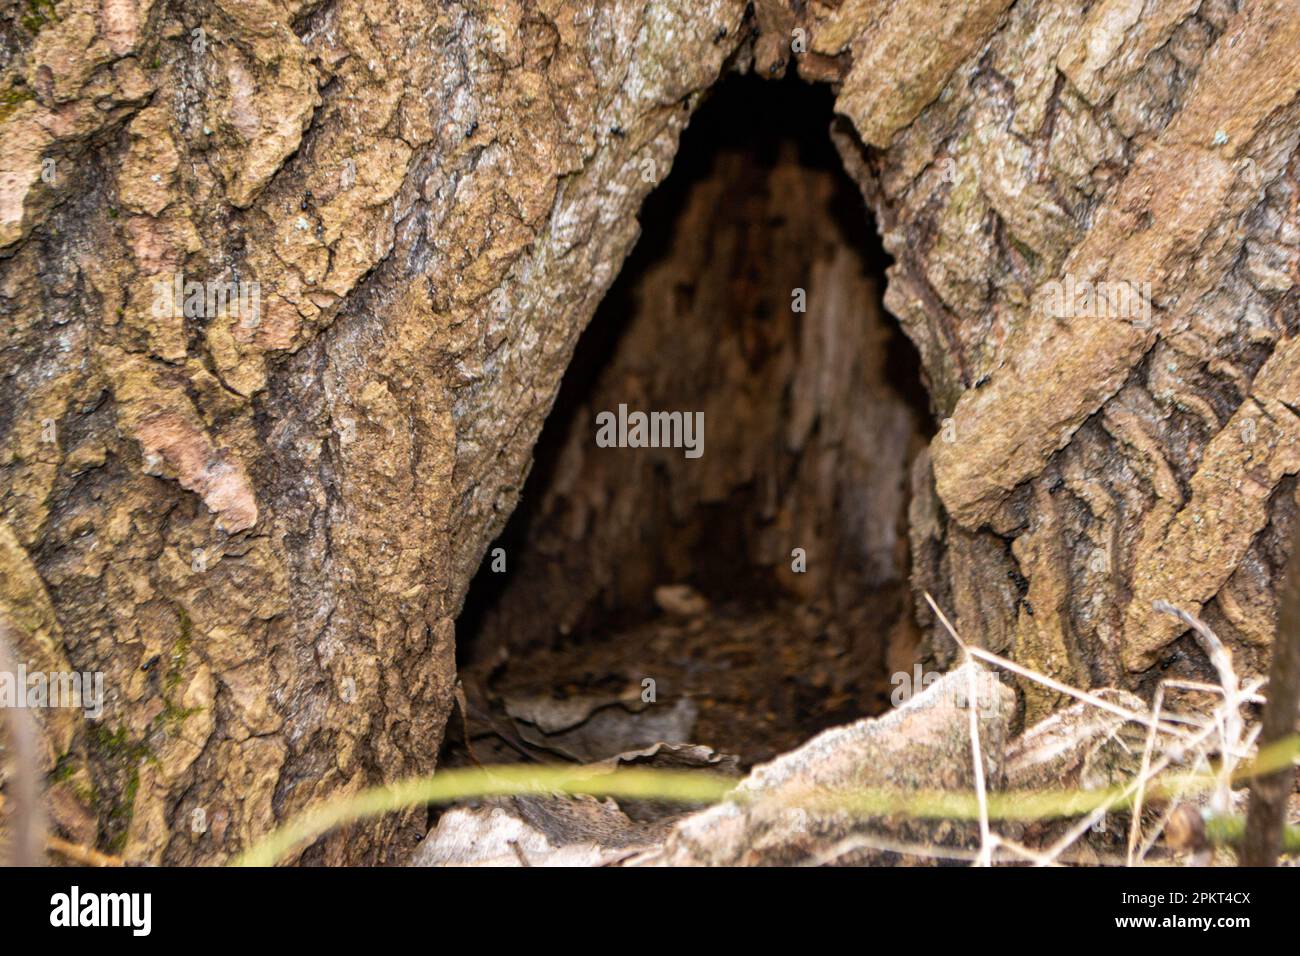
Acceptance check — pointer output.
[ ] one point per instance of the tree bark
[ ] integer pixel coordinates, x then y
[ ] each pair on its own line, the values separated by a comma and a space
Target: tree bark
1270, 793
261, 528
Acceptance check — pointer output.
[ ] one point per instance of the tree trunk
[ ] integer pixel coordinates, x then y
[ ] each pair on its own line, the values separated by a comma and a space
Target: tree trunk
259, 521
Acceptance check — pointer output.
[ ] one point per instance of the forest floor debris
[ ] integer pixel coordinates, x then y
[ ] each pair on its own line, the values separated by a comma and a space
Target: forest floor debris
1109, 780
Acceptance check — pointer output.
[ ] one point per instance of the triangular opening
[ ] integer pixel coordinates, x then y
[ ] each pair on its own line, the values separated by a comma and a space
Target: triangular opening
761, 586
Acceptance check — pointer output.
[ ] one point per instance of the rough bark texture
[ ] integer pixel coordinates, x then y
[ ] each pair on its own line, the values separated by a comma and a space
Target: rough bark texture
263, 532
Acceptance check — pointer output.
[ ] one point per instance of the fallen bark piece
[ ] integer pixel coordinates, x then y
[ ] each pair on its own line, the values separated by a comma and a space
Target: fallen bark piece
673, 756
669, 756
923, 745
681, 600
1081, 747
528, 831
566, 831
590, 729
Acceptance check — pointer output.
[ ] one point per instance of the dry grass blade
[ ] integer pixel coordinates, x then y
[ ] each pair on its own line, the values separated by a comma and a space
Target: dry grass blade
1144, 771
1225, 722
972, 707
990, 658
86, 856
986, 843
1228, 715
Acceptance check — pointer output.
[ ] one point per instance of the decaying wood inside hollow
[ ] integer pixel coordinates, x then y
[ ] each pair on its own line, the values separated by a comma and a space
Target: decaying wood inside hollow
753, 303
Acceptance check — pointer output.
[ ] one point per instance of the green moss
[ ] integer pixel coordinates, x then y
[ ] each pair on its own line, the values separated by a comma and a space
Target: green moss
1030, 255
63, 770
120, 757
173, 714
39, 13
66, 770
180, 653
12, 98
117, 746
119, 818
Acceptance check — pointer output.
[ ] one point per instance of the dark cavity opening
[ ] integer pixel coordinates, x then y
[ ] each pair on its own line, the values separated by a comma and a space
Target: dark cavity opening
627, 565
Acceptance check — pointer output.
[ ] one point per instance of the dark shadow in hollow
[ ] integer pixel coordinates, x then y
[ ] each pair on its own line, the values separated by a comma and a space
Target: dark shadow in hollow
767, 122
